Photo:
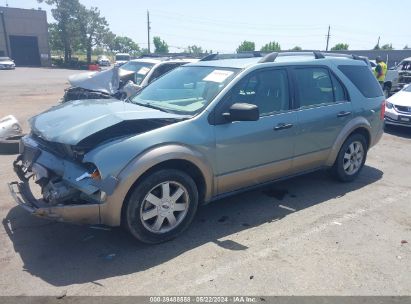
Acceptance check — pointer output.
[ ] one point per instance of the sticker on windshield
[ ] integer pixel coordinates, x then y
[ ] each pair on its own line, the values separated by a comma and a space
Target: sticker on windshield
143, 71
218, 76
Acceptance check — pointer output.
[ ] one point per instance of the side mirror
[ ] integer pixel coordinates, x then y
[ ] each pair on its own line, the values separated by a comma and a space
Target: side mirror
242, 112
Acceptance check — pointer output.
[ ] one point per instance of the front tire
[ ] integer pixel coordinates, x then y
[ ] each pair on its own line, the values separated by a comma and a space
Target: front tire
161, 206
351, 158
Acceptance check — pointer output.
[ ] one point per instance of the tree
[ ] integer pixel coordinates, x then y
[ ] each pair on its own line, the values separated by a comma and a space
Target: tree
122, 44
161, 47
246, 46
195, 50
406, 47
297, 48
56, 43
271, 47
94, 29
65, 31
376, 47
340, 47
387, 47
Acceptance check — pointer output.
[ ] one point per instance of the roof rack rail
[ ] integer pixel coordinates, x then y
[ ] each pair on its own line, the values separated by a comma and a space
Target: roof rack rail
218, 56
273, 56
350, 56
168, 55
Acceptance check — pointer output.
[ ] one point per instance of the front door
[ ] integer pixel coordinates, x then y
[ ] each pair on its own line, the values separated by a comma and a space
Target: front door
253, 152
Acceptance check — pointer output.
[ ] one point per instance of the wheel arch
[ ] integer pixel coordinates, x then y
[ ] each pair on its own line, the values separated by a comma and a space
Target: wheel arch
358, 125
177, 157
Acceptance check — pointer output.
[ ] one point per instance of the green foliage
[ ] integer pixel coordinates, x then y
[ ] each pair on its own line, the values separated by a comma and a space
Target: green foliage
93, 27
76, 28
376, 47
194, 49
65, 32
271, 47
161, 47
340, 47
406, 47
387, 47
246, 46
122, 44
297, 48
55, 37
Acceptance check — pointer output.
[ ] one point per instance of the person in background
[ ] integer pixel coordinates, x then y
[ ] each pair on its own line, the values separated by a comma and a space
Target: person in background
380, 70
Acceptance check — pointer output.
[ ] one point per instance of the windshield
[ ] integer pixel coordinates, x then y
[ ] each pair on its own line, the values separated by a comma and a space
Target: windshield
185, 90
140, 68
122, 57
408, 88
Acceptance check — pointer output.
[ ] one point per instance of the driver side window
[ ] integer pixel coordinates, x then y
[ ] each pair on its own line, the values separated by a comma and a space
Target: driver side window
267, 89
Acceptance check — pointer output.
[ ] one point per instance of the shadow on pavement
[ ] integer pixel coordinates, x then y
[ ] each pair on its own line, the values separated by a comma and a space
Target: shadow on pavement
63, 254
399, 131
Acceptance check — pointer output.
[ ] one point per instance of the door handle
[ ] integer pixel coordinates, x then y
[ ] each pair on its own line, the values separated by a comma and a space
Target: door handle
343, 114
282, 126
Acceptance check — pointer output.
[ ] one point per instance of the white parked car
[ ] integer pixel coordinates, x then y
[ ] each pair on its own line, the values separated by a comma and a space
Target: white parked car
398, 108
122, 58
120, 82
104, 61
7, 64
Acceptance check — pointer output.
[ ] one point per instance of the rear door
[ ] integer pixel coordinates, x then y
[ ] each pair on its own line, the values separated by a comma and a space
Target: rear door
253, 152
323, 108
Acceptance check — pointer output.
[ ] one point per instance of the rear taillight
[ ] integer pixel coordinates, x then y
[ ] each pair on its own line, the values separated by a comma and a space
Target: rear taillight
382, 113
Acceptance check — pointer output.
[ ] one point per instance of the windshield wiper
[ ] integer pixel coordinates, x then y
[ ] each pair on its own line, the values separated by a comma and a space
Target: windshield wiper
149, 105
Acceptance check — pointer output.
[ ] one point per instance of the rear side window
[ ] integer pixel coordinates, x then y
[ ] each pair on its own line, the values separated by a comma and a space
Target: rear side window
363, 79
340, 93
314, 86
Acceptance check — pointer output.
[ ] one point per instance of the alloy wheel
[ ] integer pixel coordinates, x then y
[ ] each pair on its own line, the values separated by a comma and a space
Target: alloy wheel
353, 158
164, 207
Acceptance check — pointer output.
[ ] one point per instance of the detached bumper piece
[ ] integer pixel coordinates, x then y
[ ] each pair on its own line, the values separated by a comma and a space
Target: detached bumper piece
82, 214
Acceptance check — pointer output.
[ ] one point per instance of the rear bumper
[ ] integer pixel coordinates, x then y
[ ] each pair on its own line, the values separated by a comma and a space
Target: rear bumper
82, 214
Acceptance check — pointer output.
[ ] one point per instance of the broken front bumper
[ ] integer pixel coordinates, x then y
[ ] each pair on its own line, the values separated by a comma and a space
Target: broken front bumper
79, 211
83, 214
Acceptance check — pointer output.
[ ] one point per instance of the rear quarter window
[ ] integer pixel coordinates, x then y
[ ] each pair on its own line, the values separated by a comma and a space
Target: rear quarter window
363, 79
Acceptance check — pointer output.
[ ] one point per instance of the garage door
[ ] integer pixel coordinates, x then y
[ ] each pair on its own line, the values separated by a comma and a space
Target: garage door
25, 50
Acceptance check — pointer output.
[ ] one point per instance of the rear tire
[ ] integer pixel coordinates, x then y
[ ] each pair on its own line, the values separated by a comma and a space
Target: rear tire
161, 206
351, 158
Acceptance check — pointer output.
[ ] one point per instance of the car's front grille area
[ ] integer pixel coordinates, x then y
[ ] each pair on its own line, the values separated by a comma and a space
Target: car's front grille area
55, 148
403, 109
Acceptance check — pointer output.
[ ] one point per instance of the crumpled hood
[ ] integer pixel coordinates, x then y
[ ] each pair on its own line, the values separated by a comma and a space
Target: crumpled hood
107, 81
73, 122
402, 98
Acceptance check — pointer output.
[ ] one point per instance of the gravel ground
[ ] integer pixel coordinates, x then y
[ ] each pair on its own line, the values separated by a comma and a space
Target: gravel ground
306, 236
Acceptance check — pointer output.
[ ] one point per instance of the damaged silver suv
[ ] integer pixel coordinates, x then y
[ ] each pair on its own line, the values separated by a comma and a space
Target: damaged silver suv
198, 133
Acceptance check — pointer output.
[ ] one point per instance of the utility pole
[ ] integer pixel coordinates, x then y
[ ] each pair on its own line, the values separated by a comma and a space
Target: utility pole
328, 38
6, 38
378, 42
148, 31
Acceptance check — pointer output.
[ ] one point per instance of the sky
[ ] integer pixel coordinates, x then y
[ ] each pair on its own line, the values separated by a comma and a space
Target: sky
221, 25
